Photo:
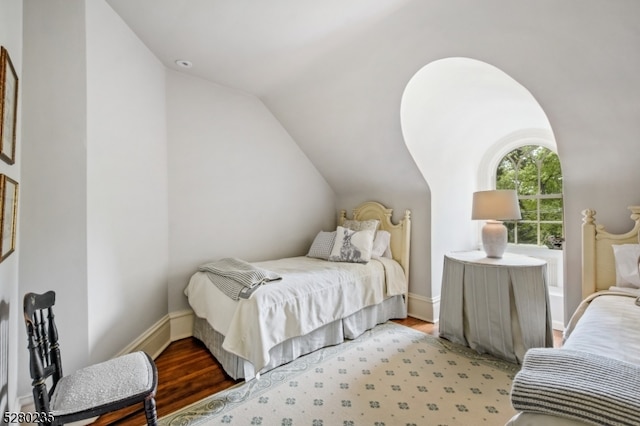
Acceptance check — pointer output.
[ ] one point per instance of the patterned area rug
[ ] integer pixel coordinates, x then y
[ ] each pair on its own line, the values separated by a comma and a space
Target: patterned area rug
391, 375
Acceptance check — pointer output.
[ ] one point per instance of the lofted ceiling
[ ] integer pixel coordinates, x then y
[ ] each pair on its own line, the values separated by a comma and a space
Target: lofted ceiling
246, 44
346, 62
270, 49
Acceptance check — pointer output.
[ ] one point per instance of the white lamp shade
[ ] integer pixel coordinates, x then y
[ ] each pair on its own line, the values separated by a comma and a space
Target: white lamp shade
499, 204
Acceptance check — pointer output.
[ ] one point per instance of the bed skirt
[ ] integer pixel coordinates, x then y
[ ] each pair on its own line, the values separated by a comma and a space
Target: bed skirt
330, 334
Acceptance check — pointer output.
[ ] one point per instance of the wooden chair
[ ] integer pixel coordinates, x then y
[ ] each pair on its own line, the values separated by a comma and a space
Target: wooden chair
91, 391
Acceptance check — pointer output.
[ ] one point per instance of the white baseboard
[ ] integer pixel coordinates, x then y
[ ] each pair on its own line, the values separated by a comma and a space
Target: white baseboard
173, 326
181, 324
153, 341
424, 308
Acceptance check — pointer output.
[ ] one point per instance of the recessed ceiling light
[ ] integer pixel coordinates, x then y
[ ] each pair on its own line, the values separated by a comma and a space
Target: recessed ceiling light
183, 63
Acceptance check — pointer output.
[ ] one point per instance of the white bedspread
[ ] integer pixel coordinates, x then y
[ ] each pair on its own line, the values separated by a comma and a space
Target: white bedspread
609, 326
312, 293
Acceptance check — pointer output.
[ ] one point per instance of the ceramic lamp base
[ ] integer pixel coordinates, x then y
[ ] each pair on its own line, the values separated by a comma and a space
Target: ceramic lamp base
494, 238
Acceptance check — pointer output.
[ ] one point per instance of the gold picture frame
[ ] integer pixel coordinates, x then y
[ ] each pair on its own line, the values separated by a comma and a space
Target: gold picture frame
8, 107
8, 215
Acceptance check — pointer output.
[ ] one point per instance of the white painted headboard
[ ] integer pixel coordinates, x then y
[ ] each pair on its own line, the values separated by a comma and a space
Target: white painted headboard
400, 232
598, 262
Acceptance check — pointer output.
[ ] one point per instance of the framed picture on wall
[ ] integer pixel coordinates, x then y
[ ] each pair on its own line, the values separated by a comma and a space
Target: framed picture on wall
8, 215
8, 107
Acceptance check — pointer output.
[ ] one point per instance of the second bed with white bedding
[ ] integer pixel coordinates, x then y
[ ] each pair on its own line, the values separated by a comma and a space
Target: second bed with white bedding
594, 378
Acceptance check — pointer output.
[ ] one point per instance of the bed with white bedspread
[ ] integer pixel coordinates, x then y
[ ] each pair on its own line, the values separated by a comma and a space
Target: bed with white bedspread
351, 280
594, 378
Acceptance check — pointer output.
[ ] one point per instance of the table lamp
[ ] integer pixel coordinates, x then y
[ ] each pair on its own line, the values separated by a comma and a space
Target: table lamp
495, 206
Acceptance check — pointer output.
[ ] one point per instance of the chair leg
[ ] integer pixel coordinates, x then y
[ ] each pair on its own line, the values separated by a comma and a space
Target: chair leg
150, 411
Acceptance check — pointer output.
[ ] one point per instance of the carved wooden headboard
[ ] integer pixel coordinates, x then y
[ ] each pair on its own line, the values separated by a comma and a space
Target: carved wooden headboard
400, 232
598, 262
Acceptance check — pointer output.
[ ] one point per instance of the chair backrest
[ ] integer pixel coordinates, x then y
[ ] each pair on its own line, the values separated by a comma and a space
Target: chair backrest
44, 352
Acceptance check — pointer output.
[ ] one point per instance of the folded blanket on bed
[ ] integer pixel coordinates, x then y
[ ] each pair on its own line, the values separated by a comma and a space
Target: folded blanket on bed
237, 278
578, 385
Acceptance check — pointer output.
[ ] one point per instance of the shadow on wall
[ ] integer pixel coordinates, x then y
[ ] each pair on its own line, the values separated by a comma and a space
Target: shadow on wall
4, 359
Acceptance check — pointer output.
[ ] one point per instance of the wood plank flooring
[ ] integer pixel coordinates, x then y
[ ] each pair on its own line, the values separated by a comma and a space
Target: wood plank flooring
187, 373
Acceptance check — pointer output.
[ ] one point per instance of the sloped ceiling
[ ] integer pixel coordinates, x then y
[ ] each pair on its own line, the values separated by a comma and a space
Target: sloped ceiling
265, 48
333, 72
247, 44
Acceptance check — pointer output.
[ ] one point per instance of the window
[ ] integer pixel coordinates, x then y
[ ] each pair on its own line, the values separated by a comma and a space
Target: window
534, 172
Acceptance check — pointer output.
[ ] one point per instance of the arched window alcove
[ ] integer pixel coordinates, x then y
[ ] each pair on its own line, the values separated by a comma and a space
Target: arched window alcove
459, 118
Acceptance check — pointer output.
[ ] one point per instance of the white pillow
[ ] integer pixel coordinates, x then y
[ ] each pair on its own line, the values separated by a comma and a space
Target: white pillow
352, 246
381, 245
627, 257
322, 245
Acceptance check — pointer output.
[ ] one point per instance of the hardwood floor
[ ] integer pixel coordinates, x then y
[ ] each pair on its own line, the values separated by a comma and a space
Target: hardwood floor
187, 373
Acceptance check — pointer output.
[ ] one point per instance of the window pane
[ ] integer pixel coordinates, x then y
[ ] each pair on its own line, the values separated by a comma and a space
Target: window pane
551, 209
534, 172
527, 233
551, 175
529, 209
510, 231
506, 175
527, 176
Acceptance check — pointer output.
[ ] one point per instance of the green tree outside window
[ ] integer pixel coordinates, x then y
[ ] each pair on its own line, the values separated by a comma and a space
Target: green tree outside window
535, 173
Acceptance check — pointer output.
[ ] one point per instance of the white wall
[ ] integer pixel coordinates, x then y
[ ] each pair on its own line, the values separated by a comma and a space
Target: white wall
127, 200
238, 184
94, 206
11, 324
53, 232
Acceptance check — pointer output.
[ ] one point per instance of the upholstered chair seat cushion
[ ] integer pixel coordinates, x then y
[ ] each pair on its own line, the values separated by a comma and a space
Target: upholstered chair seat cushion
103, 383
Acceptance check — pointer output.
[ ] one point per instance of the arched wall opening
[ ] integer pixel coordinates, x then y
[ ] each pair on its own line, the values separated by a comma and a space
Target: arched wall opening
458, 117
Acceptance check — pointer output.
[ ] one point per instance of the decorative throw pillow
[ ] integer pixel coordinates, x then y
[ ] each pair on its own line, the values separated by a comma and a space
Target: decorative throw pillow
352, 246
381, 245
361, 225
322, 245
626, 257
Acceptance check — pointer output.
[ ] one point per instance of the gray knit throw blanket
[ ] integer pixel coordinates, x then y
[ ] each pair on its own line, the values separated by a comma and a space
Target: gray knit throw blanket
237, 278
582, 386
